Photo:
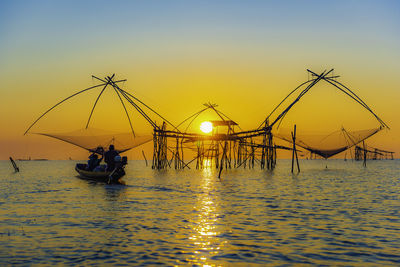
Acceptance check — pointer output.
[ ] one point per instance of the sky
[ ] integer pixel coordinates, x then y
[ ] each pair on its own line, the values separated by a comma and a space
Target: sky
246, 56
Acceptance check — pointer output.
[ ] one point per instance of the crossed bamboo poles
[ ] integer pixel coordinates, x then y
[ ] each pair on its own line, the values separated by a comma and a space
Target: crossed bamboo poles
160, 131
109, 81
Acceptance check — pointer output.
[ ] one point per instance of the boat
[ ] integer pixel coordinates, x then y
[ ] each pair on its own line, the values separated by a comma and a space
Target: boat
101, 176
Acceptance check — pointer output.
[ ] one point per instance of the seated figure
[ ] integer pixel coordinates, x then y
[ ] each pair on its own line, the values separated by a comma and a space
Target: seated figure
93, 161
109, 158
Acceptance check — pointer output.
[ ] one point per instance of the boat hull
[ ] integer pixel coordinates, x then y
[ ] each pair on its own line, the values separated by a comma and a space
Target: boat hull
98, 176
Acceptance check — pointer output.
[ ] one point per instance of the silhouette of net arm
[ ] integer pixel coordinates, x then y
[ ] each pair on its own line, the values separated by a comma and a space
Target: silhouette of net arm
90, 139
311, 83
294, 90
355, 97
192, 116
65, 99
282, 115
95, 103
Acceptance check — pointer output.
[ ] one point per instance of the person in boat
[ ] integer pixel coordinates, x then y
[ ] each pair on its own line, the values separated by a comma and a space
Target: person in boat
118, 171
109, 157
93, 161
99, 150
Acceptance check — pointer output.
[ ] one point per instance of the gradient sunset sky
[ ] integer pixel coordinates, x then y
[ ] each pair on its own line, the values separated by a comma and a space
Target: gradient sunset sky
176, 55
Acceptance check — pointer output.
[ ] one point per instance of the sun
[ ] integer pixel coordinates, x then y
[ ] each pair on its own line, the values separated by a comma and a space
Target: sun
206, 127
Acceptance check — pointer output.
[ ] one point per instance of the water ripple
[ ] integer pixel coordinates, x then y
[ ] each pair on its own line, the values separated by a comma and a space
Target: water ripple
343, 215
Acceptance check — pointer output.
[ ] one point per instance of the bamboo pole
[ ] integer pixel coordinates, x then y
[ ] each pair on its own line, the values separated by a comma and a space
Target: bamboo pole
144, 156
294, 153
365, 155
16, 169
222, 163
65, 99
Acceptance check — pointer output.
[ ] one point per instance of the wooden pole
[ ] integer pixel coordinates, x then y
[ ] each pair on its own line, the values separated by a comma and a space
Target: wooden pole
294, 153
297, 161
16, 169
222, 163
182, 158
153, 166
144, 156
294, 147
365, 155
178, 163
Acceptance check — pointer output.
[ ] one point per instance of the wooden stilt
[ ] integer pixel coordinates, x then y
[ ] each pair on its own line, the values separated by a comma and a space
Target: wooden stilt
294, 153
144, 156
16, 169
365, 155
222, 159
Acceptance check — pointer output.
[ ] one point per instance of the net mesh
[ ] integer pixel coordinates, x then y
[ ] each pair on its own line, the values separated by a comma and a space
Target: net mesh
90, 139
327, 145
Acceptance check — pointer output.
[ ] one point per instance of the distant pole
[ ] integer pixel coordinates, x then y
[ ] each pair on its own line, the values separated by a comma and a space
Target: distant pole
294, 152
294, 146
144, 156
365, 155
16, 169
222, 163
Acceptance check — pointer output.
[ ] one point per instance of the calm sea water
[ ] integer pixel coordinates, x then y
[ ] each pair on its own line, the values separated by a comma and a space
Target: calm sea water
340, 215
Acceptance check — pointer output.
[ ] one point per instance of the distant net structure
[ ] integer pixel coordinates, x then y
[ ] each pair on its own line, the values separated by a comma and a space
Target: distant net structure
222, 144
365, 152
329, 145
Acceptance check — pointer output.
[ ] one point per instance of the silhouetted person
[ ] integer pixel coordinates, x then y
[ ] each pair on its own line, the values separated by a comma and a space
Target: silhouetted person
118, 171
109, 158
99, 150
93, 161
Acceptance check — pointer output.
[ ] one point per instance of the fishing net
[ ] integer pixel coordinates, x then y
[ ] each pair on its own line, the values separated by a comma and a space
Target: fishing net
90, 139
327, 145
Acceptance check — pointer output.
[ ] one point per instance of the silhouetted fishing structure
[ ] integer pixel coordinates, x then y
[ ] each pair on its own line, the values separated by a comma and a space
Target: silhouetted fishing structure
371, 153
233, 147
225, 145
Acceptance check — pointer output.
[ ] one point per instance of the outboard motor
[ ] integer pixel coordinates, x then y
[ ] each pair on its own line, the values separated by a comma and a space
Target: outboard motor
124, 160
119, 171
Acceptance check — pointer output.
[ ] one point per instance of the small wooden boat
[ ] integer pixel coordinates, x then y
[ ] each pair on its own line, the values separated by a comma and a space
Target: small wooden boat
101, 176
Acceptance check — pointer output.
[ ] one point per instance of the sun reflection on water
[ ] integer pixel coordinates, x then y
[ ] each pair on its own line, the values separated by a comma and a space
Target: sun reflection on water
206, 227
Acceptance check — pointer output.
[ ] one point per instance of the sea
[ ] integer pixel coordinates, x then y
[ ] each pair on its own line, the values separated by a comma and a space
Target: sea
333, 212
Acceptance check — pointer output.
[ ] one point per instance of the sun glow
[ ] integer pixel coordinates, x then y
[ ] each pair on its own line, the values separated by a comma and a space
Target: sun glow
206, 127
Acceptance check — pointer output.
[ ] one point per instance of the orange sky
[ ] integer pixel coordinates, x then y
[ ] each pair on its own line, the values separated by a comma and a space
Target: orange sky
175, 58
